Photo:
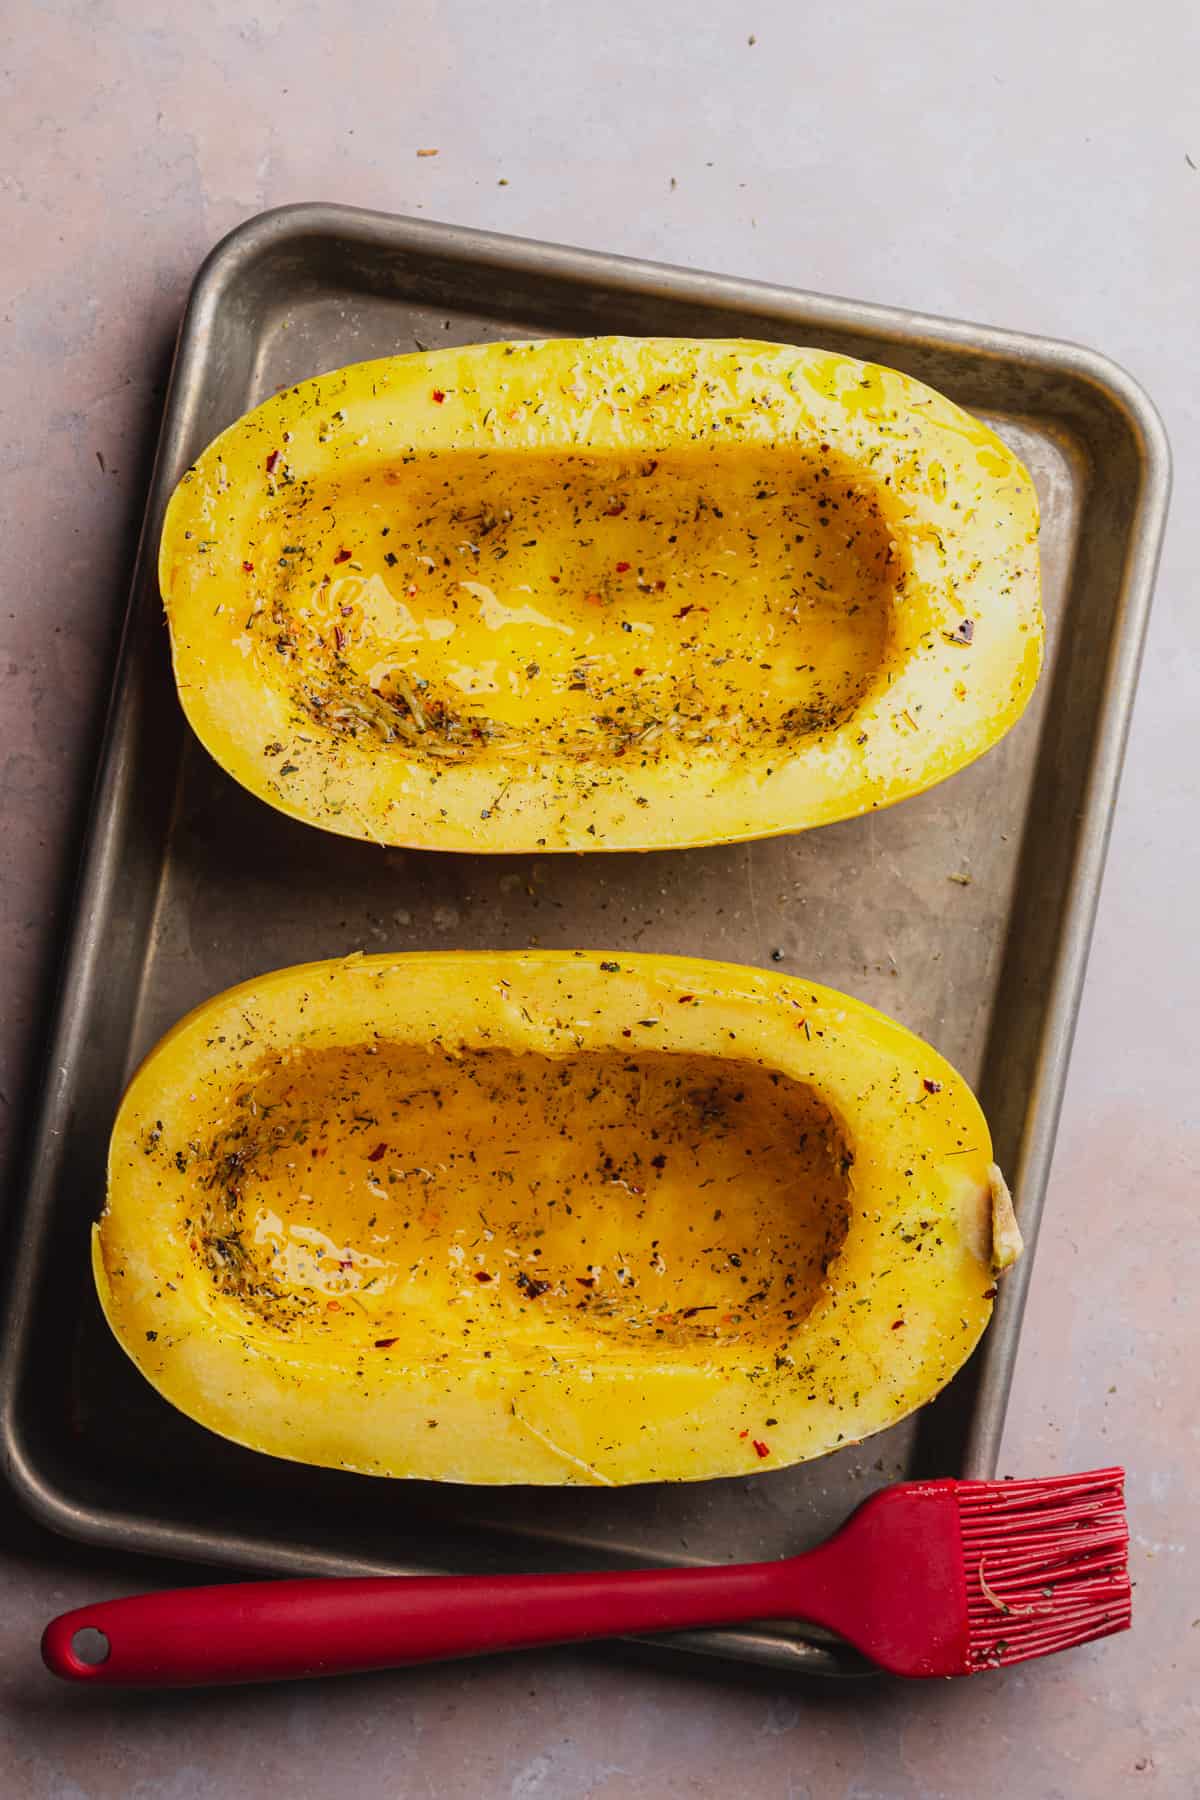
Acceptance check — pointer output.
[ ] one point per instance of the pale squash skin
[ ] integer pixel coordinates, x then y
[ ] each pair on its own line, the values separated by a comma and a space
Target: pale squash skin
610, 594
547, 1217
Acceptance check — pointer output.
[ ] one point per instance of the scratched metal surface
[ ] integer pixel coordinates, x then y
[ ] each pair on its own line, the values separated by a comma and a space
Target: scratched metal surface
964, 912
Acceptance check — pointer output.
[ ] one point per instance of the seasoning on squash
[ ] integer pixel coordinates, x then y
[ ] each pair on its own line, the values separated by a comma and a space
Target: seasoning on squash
540, 1255
799, 580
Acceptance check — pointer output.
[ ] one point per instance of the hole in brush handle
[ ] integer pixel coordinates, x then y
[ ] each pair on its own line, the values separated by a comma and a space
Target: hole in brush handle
91, 1646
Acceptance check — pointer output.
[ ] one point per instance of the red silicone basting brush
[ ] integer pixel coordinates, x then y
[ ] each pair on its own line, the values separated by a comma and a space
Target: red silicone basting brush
926, 1578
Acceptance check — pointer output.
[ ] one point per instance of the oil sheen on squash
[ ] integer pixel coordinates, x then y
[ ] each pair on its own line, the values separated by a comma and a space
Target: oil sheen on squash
547, 1217
489, 1201
505, 607
607, 594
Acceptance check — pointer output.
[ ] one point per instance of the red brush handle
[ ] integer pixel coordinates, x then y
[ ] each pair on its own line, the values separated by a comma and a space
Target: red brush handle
278, 1630
903, 1580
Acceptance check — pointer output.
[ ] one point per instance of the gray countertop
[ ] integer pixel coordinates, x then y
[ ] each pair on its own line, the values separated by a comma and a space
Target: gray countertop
1014, 165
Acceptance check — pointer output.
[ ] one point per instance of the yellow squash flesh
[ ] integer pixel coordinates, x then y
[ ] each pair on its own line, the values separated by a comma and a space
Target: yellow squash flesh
608, 594
547, 1217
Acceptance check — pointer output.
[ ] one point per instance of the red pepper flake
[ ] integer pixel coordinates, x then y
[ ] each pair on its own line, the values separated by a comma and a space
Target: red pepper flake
626, 1032
932, 1087
686, 999
555, 578
385, 1343
659, 586
897, 1324
248, 568
761, 1449
623, 568
482, 1275
684, 611
272, 461
438, 396
615, 510
339, 637
744, 1434
342, 556
990, 1293
639, 671
377, 1154
333, 1306
594, 599
412, 590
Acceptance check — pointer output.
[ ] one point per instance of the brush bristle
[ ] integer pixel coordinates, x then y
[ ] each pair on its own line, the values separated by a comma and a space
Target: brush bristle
1047, 1564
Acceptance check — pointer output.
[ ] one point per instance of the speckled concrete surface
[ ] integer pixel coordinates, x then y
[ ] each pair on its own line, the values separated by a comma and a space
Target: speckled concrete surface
1013, 165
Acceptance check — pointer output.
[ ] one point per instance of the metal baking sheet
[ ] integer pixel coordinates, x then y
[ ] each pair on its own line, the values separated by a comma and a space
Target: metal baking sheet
965, 912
